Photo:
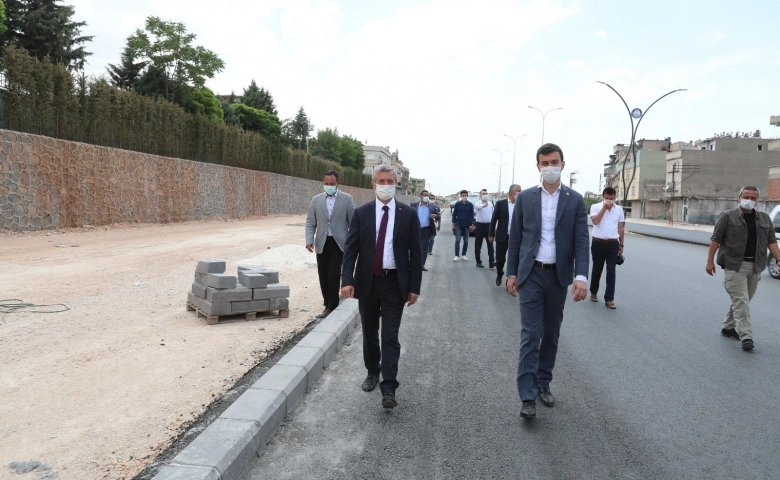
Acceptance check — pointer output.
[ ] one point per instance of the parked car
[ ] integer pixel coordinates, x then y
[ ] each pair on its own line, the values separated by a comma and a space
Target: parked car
774, 271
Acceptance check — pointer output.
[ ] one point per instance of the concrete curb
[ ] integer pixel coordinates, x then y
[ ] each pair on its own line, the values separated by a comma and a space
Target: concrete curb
227, 446
695, 237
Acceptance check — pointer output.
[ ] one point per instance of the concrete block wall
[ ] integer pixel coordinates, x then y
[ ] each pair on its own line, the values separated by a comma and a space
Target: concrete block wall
773, 186
46, 183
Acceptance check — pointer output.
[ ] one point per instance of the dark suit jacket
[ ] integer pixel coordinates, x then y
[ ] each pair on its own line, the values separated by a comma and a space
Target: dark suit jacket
361, 244
500, 216
571, 235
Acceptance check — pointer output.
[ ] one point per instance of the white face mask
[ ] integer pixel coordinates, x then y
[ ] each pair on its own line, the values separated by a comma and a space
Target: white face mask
551, 174
385, 192
747, 204
484, 198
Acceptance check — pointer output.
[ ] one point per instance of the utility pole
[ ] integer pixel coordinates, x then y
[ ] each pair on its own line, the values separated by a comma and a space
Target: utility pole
572, 180
514, 147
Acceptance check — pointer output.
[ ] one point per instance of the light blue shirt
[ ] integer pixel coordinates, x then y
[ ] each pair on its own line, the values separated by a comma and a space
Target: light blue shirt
424, 214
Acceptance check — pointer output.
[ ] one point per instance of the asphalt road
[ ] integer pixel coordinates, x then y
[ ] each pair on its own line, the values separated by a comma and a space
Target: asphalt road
650, 390
679, 234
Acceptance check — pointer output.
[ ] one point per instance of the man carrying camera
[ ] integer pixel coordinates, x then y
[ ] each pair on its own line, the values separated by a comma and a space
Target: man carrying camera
609, 221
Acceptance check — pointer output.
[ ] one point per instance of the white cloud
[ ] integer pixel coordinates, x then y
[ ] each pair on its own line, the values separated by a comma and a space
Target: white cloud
601, 33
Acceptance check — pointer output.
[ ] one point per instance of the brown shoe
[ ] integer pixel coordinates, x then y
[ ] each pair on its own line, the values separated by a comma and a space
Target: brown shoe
594, 298
610, 305
324, 313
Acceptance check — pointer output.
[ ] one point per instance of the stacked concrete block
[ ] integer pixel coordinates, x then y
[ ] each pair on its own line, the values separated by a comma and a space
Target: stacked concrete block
255, 289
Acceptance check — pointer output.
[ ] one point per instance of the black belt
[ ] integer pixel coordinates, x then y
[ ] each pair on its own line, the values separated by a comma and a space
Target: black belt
605, 240
483, 223
545, 266
387, 272
748, 259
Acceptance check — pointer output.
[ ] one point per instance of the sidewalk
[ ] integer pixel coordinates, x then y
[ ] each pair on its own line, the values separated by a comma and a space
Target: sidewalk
664, 223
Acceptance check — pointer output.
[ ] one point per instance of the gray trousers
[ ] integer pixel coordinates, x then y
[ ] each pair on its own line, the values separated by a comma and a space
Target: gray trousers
741, 286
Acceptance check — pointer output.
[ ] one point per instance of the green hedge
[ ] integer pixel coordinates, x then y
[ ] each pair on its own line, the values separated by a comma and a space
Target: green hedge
44, 98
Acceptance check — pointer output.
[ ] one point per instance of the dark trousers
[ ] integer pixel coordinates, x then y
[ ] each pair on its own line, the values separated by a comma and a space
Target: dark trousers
480, 234
541, 312
501, 249
425, 236
385, 301
329, 269
461, 231
604, 252
430, 244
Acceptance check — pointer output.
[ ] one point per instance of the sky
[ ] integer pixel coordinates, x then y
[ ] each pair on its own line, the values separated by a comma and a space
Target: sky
443, 82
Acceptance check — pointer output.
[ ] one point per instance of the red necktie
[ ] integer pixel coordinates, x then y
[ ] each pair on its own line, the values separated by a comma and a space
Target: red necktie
379, 251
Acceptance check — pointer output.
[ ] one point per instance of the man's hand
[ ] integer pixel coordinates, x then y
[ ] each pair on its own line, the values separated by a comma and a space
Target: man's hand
412, 299
511, 286
453, 228
711, 267
578, 290
310, 247
472, 228
348, 291
608, 204
620, 249
490, 239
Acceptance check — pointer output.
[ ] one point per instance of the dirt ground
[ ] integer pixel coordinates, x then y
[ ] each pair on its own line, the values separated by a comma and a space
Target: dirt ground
100, 390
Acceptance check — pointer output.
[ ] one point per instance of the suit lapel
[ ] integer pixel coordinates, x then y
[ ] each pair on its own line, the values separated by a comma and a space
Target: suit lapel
397, 223
372, 221
563, 198
538, 208
325, 206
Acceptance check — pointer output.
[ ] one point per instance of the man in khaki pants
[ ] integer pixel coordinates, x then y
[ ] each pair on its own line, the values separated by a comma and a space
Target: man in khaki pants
741, 237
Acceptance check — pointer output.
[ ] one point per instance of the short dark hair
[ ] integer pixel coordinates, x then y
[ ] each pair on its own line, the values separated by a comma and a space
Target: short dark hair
331, 173
483, 190
609, 191
464, 191
547, 149
423, 191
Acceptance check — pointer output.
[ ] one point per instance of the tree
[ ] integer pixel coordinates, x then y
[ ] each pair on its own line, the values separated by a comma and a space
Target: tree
46, 29
168, 47
229, 114
352, 155
127, 73
300, 127
343, 149
203, 101
258, 98
258, 120
3, 18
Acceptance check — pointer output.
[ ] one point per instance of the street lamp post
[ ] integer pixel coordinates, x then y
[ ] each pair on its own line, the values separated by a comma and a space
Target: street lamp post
514, 148
544, 115
500, 164
638, 115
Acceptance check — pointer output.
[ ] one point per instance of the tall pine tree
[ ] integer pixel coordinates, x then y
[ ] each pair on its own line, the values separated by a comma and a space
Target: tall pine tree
258, 98
128, 71
46, 28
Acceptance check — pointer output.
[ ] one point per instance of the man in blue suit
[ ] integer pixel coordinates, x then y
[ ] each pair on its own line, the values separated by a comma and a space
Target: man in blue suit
548, 250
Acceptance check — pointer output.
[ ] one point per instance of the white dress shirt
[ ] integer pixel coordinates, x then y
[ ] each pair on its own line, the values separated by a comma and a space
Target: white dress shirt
330, 201
511, 205
546, 253
388, 261
607, 229
484, 213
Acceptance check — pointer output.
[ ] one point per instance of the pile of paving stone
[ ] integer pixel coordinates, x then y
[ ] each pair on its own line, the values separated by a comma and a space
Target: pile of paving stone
255, 289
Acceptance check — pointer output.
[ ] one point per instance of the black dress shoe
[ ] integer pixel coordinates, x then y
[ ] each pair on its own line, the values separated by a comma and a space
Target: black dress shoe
498, 279
492, 265
479, 265
731, 333
529, 409
370, 382
425, 269
546, 397
747, 344
325, 313
388, 400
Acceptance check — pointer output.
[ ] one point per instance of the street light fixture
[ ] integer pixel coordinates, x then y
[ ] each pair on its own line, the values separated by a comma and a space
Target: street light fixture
514, 145
500, 164
638, 115
544, 115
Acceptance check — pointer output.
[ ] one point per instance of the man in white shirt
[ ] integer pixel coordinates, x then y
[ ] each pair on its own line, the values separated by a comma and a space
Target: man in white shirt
609, 221
484, 213
548, 251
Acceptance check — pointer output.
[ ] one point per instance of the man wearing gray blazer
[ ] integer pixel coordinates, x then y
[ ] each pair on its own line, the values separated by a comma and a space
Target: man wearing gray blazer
548, 250
327, 224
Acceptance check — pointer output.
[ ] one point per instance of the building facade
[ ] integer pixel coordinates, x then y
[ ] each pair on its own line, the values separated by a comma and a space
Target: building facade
632, 179
376, 155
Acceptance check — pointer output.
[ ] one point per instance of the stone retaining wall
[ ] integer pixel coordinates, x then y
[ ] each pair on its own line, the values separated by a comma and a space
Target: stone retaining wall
47, 183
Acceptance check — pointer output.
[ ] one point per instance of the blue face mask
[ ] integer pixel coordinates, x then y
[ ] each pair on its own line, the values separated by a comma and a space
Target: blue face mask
330, 190
426, 199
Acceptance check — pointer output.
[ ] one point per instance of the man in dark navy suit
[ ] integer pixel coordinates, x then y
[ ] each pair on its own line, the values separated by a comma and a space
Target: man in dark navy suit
548, 251
383, 269
499, 229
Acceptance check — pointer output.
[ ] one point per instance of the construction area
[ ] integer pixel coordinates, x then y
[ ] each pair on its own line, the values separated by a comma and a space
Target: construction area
101, 388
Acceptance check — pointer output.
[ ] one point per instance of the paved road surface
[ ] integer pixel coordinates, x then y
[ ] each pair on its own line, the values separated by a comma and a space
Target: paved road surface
651, 390
679, 234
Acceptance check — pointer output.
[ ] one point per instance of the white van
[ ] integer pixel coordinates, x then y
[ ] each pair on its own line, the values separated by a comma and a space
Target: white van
774, 271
